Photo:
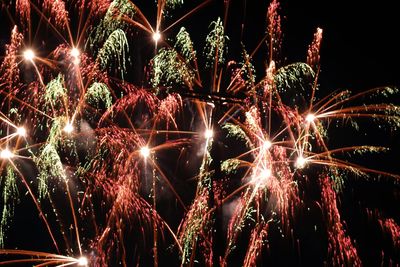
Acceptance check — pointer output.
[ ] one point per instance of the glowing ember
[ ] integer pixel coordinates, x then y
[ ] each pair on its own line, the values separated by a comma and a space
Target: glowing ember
145, 152
6, 154
301, 162
265, 174
69, 128
310, 118
21, 131
209, 133
75, 52
82, 261
267, 144
156, 36
29, 54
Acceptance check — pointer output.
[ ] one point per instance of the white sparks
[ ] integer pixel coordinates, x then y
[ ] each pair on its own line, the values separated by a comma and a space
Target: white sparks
156, 36
21, 131
29, 54
6, 154
208, 133
82, 261
267, 145
145, 152
265, 174
301, 162
68, 128
310, 118
75, 53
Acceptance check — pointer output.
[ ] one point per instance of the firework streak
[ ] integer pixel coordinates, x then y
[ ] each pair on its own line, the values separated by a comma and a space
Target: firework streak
144, 158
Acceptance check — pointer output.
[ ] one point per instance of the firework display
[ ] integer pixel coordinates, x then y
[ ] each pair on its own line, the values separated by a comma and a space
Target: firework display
127, 142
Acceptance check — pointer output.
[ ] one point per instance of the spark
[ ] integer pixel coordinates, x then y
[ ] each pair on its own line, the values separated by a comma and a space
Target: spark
21, 131
301, 162
209, 133
68, 128
6, 154
261, 176
156, 36
267, 145
310, 118
75, 53
145, 151
82, 261
29, 55
265, 174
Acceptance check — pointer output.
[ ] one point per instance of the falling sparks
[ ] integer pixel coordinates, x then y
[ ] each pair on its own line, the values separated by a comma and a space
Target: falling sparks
215, 48
180, 154
313, 55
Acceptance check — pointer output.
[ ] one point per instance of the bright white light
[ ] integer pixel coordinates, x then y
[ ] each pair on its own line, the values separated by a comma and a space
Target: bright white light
21, 131
68, 128
75, 52
208, 133
156, 36
76, 61
267, 144
29, 54
310, 117
145, 152
82, 261
301, 162
6, 154
265, 174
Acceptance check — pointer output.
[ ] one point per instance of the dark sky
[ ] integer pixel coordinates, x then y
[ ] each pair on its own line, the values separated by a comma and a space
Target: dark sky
360, 46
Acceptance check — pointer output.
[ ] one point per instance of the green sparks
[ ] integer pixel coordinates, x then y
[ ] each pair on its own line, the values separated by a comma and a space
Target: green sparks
115, 48
184, 45
56, 92
236, 132
296, 76
248, 70
9, 196
169, 69
49, 165
97, 93
172, 4
230, 166
112, 21
215, 48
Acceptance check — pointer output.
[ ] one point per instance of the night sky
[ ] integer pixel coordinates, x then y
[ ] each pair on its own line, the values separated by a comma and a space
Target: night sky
360, 50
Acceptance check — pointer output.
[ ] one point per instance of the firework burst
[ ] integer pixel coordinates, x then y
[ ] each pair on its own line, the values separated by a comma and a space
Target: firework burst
213, 166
